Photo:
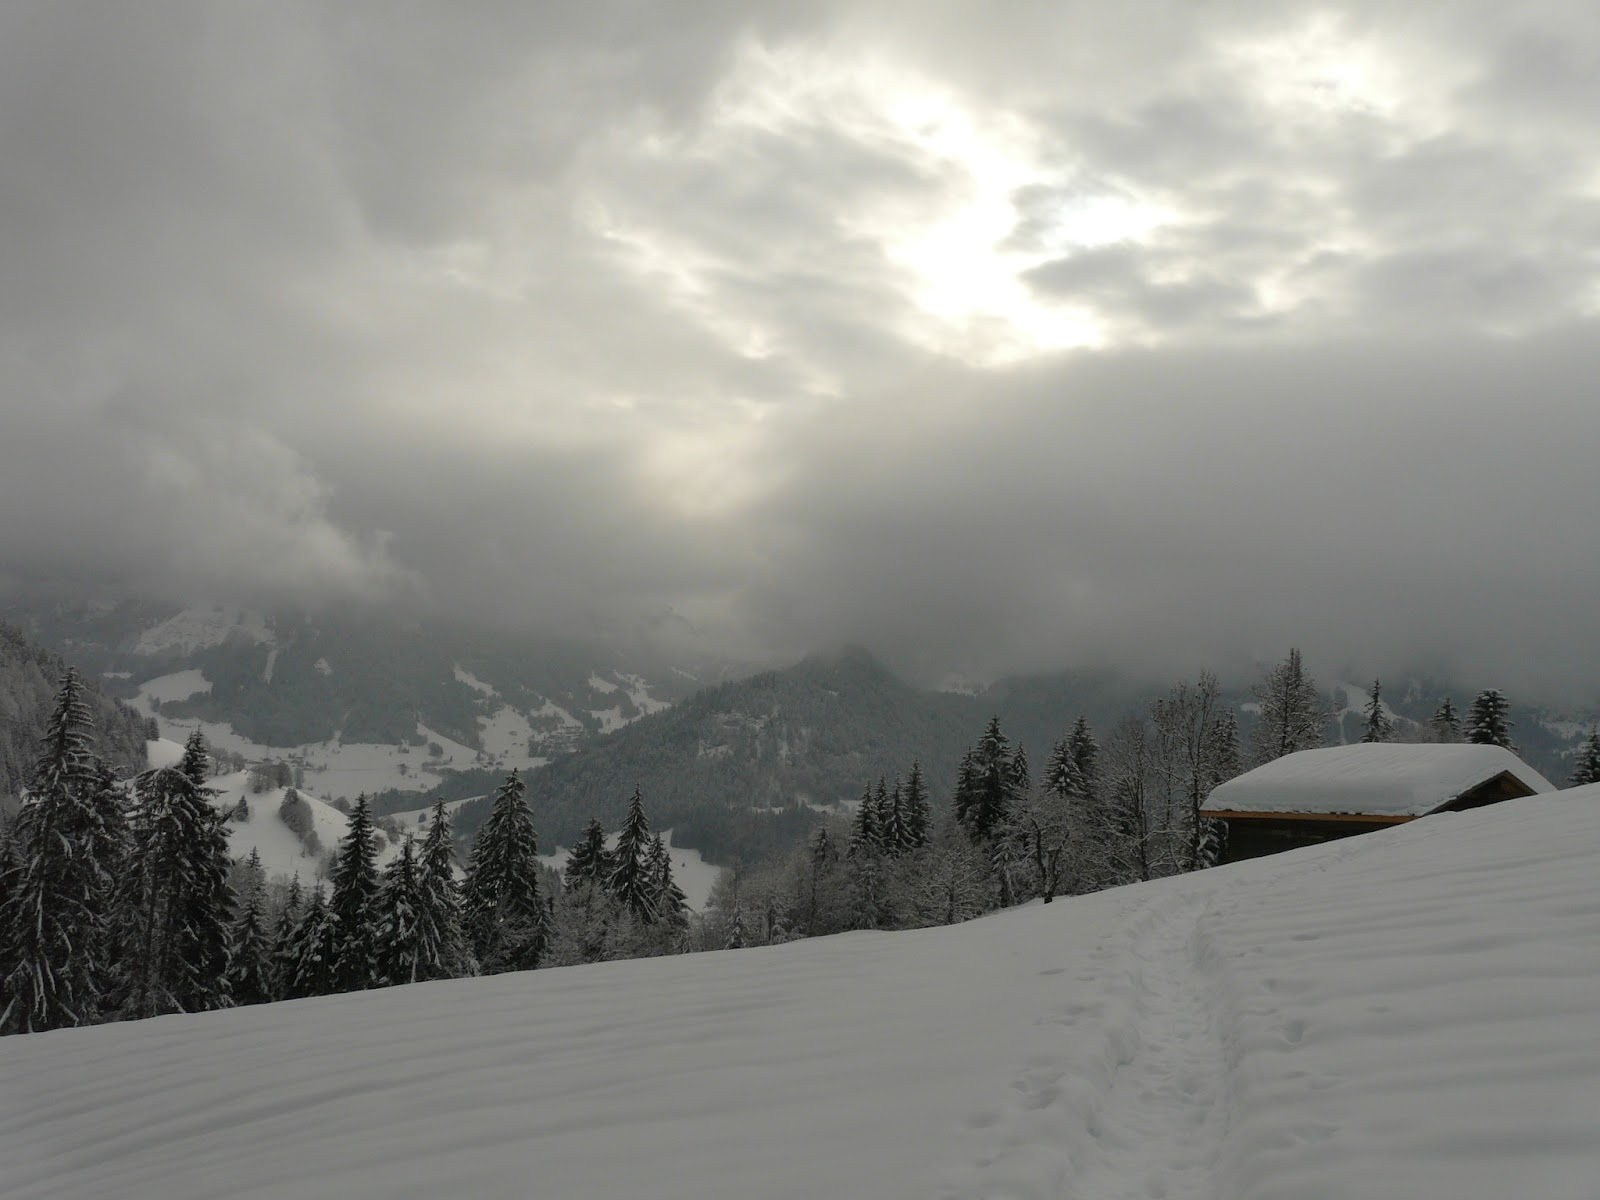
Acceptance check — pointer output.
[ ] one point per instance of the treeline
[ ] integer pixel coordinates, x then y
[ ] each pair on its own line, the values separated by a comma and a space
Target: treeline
120, 900
29, 677
1100, 814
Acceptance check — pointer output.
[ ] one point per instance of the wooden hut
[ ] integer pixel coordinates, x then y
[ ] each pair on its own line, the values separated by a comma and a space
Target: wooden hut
1337, 791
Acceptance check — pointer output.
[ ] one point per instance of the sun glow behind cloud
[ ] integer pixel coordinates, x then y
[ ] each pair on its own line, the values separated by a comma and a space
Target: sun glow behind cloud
946, 241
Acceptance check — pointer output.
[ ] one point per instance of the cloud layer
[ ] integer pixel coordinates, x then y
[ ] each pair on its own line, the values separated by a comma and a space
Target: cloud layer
994, 336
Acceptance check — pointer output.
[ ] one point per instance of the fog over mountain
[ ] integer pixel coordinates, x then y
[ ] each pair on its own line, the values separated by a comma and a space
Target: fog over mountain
995, 337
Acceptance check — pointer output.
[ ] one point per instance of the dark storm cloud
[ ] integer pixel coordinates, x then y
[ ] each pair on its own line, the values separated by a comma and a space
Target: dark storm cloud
553, 315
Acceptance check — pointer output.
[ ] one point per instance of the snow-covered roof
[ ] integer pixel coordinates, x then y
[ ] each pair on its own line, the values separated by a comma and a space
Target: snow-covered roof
1379, 779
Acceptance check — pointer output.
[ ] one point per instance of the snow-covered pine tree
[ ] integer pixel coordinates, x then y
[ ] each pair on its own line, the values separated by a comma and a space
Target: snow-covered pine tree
1292, 717
1086, 754
1446, 722
986, 784
631, 880
408, 946
284, 925
1489, 721
250, 964
55, 915
354, 903
823, 856
501, 907
442, 898
736, 935
1587, 768
1378, 726
670, 903
196, 761
1062, 776
894, 827
313, 952
880, 814
177, 903
918, 812
1021, 777
865, 836
590, 861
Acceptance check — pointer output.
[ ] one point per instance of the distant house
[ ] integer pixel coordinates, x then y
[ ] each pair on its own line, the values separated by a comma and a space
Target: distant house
1337, 791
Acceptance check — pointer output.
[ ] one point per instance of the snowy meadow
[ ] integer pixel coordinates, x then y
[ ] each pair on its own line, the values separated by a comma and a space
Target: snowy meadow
1410, 1013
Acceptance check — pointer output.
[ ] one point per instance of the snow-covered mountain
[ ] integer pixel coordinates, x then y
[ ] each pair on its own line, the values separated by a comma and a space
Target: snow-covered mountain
1409, 1013
361, 702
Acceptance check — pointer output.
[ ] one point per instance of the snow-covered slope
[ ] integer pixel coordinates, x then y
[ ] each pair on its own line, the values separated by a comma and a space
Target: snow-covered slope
1408, 1014
283, 852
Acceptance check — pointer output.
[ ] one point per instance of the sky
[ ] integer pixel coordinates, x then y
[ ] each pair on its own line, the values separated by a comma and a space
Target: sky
993, 336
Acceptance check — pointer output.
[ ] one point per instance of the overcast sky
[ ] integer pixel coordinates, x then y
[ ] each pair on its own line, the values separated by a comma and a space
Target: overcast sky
995, 336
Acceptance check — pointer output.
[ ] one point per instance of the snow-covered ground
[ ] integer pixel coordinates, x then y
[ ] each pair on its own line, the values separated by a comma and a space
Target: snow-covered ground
340, 768
282, 851
1408, 1014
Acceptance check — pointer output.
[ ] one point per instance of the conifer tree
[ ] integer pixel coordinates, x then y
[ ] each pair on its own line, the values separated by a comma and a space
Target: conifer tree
177, 903
54, 923
823, 856
1292, 713
1378, 727
1086, 754
1446, 722
894, 824
250, 969
590, 861
1021, 778
1062, 776
442, 899
284, 927
503, 913
986, 784
670, 902
1489, 723
196, 761
630, 880
1587, 769
313, 953
864, 833
917, 809
354, 903
408, 944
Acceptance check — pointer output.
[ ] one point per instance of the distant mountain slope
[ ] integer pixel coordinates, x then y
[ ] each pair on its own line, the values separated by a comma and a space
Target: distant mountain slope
29, 679
377, 702
738, 768
742, 768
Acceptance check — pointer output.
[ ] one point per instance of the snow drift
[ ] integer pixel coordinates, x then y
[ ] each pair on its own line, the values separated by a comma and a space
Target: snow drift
1407, 1014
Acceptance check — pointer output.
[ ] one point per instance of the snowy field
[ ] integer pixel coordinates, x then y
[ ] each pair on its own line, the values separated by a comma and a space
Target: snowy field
339, 768
282, 853
1412, 1014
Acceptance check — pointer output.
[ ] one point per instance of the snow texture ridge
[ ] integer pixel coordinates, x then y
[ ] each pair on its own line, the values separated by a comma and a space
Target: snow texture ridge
1408, 1014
